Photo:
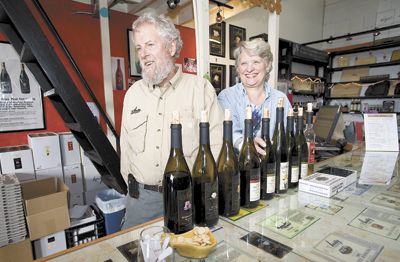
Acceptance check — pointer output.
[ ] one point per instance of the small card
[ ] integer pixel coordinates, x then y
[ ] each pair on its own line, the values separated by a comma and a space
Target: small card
268, 245
386, 200
290, 223
339, 246
329, 209
378, 222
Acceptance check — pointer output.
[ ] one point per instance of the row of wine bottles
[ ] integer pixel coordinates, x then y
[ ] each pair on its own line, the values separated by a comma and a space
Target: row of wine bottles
220, 188
5, 80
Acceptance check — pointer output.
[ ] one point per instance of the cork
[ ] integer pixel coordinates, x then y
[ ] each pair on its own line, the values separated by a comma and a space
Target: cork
249, 112
175, 117
228, 115
300, 111
309, 107
290, 112
266, 113
203, 117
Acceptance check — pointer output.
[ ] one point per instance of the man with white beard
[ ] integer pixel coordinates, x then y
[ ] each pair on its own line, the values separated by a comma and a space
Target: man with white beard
147, 114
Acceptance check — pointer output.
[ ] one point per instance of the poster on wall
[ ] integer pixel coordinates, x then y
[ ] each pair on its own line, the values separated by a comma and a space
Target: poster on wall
217, 39
236, 35
134, 65
118, 73
218, 77
21, 105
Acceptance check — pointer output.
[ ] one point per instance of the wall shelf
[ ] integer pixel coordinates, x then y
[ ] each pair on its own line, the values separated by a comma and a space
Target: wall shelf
363, 97
390, 63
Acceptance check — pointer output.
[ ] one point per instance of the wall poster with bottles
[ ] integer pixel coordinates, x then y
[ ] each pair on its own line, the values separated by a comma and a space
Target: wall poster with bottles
21, 106
118, 73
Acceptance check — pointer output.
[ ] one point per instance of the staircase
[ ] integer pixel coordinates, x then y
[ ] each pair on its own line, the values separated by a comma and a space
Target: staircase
35, 50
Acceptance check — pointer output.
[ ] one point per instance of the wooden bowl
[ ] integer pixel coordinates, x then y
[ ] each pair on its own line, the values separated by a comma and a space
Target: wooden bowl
190, 249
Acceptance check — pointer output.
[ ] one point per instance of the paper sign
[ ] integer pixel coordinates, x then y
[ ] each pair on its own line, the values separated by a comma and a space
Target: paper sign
381, 132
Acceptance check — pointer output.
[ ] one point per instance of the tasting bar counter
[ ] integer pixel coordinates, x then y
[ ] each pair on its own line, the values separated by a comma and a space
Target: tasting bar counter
360, 223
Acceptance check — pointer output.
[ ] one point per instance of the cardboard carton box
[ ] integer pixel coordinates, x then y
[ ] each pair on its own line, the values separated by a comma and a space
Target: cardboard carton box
18, 160
20, 251
74, 180
70, 153
46, 150
46, 206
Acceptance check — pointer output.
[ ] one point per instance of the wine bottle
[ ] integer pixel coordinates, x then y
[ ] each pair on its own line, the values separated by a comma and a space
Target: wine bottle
292, 152
5, 80
249, 165
309, 134
301, 145
279, 145
119, 78
228, 173
267, 160
205, 179
177, 184
24, 81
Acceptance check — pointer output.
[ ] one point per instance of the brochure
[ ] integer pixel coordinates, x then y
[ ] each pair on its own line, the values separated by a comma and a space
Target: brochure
386, 200
330, 209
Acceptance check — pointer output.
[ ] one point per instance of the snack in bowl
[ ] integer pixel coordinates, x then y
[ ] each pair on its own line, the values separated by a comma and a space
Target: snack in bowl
196, 243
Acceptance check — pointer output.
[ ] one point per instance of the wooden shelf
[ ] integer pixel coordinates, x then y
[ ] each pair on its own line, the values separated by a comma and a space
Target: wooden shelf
390, 63
359, 82
305, 76
366, 48
363, 97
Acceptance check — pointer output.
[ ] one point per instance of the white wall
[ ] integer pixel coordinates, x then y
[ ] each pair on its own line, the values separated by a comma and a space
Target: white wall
300, 21
351, 16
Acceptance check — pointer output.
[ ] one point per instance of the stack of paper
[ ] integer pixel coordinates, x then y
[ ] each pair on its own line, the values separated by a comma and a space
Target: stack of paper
12, 218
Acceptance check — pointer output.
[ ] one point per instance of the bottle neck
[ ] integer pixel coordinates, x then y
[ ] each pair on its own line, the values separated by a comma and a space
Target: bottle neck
265, 128
309, 119
279, 118
300, 125
290, 124
248, 129
227, 131
204, 134
176, 136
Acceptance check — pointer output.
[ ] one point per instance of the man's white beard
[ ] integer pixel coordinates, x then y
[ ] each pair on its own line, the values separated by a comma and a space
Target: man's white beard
161, 72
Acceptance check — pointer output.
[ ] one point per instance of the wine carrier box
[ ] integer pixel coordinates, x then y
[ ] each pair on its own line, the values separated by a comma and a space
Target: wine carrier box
46, 207
74, 180
92, 179
46, 150
50, 172
326, 185
18, 160
50, 244
20, 251
70, 153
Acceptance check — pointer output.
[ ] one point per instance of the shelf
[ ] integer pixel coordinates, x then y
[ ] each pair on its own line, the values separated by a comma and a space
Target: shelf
390, 63
367, 48
308, 61
305, 76
359, 82
363, 97
306, 93
361, 113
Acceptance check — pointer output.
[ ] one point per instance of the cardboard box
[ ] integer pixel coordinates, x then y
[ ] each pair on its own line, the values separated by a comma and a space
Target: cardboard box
18, 160
46, 150
50, 244
74, 180
327, 182
20, 251
84, 159
92, 179
46, 207
70, 154
50, 172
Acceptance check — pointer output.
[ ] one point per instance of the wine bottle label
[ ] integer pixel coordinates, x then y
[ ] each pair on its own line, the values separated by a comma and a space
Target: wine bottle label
283, 183
211, 200
255, 184
311, 152
185, 213
271, 183
304, 170
295, 174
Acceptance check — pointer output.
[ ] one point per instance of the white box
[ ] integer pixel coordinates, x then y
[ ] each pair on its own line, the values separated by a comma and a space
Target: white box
90, 196
327, 185
18, 160
50, 244
85, 160
50, 172
69, 146
74, 180
45, 149
92, 179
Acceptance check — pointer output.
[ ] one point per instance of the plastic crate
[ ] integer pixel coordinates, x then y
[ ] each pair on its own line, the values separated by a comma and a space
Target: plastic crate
87, 232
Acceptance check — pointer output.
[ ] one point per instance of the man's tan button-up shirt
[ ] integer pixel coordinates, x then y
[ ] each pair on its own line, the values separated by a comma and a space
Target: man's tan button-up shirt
146, 119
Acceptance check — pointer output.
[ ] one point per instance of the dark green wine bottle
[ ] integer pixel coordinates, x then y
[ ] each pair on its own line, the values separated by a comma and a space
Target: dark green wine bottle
205, 179
228, 173
5, 80
24, 81
267, 160
279, 144
249, 165
177, 184
293, 168
301, 144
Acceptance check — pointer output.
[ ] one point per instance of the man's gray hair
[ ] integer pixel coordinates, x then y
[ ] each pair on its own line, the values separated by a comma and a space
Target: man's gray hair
256, 47
164, 26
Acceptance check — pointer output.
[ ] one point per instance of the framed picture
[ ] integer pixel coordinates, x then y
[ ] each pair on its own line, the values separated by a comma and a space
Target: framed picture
218, 76
134, 64
233, 76
217, 39
236, 35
